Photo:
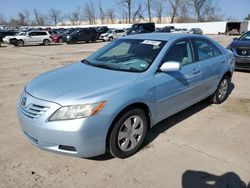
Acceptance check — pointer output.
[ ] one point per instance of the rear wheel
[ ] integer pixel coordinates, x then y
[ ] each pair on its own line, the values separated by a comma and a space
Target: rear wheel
19, 43
73, 41
46, 42
93, 39
111, 38
128, 133
221, 93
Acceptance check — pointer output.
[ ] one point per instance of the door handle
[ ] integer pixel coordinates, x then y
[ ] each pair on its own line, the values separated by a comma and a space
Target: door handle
196, 71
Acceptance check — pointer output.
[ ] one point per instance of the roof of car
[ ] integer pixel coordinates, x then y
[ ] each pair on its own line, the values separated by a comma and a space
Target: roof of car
158, 36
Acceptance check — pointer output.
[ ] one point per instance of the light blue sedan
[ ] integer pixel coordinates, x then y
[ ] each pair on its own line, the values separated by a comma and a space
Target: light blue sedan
108, 102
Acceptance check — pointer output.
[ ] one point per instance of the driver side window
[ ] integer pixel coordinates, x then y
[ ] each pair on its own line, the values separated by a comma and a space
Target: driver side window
181, 52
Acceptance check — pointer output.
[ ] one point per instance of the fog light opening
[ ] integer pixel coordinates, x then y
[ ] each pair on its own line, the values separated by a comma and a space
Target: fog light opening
67, 148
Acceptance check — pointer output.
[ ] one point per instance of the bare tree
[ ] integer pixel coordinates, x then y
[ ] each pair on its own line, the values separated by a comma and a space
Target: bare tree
89, 12
158, 8
55, 16
111, 15
247, 17
102, 13
128, 5
40, 19
183, 12
149, 7
174, 4
75, 16
3, 21
138, 14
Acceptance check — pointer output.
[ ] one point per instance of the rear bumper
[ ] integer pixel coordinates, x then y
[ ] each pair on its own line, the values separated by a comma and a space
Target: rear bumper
242, 63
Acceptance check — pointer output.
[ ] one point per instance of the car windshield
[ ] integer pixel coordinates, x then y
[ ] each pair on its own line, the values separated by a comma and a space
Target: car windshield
21, 34
132, 55
110, 32
245, 37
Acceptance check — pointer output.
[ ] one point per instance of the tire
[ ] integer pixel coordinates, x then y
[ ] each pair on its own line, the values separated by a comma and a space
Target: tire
20, 43
73, 41
222, 92
111, 38
124, 135
46, 42
93, 39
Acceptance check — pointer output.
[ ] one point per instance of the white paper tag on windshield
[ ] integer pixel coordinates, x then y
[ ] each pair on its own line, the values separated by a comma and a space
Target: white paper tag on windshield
151, 42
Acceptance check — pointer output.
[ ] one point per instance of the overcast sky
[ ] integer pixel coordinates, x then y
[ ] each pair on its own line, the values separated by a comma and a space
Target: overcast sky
231, 8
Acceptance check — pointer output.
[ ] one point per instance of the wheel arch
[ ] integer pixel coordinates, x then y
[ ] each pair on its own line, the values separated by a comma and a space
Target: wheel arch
140, 105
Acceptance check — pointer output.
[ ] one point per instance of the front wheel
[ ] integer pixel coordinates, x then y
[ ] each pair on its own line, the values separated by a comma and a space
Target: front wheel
46, 42
128, 134
20, 43
222, 92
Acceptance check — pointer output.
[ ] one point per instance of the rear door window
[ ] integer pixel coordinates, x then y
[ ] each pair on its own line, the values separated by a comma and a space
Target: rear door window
205, 49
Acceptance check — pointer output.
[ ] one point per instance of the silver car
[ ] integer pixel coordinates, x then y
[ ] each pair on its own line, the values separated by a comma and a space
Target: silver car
108, 102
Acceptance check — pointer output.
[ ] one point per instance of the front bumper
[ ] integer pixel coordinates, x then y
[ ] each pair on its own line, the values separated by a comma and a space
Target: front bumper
242, 63
84, 137
7, 41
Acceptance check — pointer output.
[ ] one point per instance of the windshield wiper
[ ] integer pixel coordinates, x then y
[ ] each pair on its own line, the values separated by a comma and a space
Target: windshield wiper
105, 66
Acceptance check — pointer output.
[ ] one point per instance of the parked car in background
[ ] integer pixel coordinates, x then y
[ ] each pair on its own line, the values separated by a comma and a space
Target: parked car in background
101, 30
241, 50
4, 33
141, 28
32, 38
112, 34
108, 101
7, 39
82, 35
166, 29
195, 31
179, 30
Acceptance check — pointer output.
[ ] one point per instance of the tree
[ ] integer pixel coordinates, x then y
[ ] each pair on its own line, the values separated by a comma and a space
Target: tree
149, 6
102, 14
128, 5
158, 7
111, 15
247, 17
55, 16
75, 16
3, 21
138, 14
205, 10
40, 19
89, 12
174, 4
183, 12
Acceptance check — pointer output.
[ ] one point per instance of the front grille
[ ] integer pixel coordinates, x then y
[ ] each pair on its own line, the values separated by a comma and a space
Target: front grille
33, 111
243, 52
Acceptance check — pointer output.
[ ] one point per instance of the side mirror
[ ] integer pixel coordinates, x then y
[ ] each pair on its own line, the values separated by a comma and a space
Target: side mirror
170, 66
235, 38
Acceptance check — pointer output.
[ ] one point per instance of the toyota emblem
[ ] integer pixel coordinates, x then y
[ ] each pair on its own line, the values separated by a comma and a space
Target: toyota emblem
244, 52
23, 101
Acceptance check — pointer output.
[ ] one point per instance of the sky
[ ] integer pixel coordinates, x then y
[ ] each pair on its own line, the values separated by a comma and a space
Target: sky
238, 9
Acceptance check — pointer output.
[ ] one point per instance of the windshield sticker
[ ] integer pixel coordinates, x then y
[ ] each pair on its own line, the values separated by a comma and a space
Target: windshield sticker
151, 42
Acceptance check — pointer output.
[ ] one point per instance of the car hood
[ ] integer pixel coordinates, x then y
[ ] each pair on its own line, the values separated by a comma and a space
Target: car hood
78, 82
240, 44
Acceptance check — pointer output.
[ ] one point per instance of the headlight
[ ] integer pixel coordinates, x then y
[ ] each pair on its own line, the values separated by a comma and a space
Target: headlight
77, 111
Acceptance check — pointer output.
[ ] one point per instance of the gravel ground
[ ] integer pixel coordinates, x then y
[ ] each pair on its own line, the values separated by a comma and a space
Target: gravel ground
202, 146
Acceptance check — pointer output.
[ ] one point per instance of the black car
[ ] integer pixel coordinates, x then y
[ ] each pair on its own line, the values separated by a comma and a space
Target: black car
241, 49
4, 33
80, 35
166, 29
141, 28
